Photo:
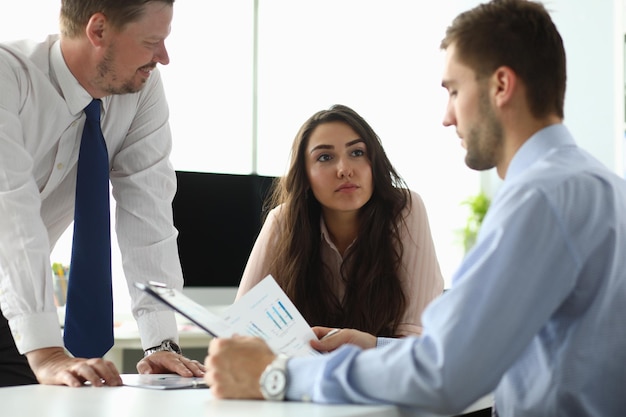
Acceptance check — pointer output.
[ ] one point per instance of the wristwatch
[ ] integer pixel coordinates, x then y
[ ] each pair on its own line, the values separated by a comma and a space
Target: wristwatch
166, 345
273, 381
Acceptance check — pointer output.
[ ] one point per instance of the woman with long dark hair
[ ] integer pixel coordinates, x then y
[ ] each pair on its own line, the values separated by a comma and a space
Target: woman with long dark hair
346, 239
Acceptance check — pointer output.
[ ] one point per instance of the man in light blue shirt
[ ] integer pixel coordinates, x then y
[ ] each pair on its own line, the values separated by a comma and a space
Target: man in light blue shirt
536, 311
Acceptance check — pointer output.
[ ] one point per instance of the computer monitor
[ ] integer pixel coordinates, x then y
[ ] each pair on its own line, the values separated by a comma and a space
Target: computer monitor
218, 217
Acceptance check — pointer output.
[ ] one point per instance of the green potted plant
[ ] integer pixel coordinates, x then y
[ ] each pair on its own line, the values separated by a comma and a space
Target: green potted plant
478, 206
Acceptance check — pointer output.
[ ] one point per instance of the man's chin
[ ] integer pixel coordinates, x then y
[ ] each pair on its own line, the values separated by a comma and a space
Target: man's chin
130, 88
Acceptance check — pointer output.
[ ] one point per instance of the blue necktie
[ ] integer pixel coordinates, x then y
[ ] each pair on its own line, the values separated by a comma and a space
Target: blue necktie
88, 331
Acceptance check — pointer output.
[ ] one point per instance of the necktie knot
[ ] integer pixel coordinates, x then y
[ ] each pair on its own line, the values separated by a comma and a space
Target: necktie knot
92, 111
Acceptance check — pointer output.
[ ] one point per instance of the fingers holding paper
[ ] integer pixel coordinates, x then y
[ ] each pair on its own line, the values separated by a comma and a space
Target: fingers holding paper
330, 339
234, 366
52, 366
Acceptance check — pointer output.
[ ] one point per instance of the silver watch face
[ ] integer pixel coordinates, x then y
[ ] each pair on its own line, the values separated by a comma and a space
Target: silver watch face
275, 382
171, 346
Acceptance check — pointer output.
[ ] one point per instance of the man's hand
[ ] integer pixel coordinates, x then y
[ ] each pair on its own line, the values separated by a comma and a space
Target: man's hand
53, 366
165, 362
341, 337
234, 366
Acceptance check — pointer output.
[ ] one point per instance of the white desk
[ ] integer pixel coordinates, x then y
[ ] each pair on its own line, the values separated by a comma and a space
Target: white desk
60, 401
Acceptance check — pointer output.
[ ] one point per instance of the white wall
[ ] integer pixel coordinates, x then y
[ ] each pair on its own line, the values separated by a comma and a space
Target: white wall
593, 35
380, 57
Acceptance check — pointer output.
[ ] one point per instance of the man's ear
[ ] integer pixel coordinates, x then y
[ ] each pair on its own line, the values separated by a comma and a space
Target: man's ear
95, 29
504, 83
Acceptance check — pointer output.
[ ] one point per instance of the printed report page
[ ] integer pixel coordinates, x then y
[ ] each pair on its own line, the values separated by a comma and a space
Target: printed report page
266, 312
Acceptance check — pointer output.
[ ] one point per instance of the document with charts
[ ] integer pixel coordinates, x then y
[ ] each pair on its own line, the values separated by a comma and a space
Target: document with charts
265, 311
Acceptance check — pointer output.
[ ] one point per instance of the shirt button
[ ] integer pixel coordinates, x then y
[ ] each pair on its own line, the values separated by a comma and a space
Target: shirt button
60, 165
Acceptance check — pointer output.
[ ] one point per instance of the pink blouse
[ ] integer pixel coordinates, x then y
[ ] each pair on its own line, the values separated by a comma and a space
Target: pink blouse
420, 273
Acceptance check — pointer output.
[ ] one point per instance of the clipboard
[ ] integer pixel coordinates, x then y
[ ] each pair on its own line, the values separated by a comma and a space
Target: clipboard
196, 313
265, 311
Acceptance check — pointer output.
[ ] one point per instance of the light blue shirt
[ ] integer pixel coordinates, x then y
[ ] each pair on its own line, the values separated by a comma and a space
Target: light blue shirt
536, 312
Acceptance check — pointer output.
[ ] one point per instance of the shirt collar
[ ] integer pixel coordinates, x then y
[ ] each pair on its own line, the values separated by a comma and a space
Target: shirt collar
539, 144
76, 97
326, 236
324, 231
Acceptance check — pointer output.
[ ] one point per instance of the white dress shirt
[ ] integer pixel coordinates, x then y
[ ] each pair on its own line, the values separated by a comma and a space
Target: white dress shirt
41, 121
536, 310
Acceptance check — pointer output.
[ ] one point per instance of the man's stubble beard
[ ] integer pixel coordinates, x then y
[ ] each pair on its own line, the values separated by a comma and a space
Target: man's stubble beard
105, 68
485, 139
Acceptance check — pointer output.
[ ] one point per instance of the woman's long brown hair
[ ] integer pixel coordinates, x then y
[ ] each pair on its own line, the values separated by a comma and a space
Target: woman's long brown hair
374, 301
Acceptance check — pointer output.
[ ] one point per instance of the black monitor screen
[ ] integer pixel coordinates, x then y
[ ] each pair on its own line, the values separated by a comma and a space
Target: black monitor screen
218, 217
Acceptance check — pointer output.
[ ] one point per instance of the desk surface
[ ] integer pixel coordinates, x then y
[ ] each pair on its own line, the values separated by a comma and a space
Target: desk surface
61, 401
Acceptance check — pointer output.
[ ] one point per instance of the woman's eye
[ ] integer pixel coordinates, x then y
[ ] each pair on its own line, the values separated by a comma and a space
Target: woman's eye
358, 152
324, 157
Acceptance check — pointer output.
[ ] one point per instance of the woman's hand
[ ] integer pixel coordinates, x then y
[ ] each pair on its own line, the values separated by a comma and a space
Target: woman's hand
331, 339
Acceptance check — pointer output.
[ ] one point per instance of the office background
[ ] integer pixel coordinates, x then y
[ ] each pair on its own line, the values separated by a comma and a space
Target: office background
244, 75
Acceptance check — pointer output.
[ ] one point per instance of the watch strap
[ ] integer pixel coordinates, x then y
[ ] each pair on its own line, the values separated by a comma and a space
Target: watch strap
273, 382
167, 345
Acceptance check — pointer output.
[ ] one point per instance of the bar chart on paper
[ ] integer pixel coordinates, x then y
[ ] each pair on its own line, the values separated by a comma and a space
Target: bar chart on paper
280, 316
277, 320
267, 312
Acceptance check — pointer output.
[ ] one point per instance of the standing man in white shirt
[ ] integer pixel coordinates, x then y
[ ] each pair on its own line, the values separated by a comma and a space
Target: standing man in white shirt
536, 310
107, 50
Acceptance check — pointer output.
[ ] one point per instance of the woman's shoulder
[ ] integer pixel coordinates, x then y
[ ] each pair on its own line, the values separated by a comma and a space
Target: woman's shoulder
414, 213
414, 194
414, 201
276, 212
276, 215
